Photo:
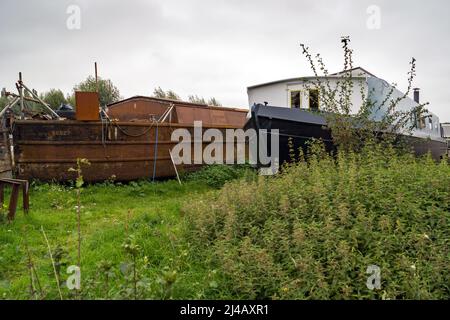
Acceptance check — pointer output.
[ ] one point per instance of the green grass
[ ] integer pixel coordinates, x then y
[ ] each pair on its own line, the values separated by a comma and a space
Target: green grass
307, 233
167, 266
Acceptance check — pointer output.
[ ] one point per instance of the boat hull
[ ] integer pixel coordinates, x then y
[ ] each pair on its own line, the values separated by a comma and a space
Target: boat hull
122, 151
297, 127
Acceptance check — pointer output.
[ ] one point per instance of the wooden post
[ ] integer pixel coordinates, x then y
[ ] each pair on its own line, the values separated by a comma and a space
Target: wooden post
17, 185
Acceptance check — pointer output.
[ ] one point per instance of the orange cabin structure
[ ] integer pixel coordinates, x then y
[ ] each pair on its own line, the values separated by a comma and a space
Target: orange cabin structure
141, 108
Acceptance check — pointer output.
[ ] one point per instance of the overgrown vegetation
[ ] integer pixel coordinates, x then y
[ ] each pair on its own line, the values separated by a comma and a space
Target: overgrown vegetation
353, 125
170, 94
312, 231
108, 92
217, 175
132, 247
308, 233
54, 97
3, 102
115, 218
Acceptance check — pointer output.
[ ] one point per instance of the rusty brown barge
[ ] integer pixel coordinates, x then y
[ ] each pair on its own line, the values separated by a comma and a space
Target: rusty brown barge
130, 141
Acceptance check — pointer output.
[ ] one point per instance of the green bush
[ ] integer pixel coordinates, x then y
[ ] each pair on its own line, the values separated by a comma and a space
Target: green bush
311, 231
217, 175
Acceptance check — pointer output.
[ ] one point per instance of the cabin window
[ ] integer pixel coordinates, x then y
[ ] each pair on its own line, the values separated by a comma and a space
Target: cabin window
419, 121
295, 99
422, 123
314, 99
430, 123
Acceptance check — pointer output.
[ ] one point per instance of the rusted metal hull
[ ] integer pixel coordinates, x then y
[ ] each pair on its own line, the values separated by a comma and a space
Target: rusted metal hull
123, 151
5, 155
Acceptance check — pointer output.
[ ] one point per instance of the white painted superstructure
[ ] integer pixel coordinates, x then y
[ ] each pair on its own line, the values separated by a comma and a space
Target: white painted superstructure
303, 93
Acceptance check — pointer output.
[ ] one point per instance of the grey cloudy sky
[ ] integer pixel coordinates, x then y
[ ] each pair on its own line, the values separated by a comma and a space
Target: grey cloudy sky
219, 47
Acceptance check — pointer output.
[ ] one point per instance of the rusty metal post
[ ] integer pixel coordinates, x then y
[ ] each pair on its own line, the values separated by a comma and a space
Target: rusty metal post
96, 76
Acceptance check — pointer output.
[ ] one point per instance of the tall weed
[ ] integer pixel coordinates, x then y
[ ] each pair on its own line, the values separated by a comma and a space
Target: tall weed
311, 231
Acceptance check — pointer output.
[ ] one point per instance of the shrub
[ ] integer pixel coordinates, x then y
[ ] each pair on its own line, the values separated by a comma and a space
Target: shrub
217, 175
311, 231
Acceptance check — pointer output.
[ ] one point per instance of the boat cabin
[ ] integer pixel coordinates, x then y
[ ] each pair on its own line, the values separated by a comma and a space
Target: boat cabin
304, 93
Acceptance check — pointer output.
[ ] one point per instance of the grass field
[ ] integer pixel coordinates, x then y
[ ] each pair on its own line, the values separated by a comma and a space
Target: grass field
147, 213
309, 232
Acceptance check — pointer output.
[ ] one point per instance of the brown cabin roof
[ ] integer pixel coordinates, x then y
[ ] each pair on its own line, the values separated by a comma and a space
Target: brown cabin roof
141, 108
175, 102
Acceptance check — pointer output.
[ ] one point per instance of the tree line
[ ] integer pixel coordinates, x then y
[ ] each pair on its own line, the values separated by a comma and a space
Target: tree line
170, 94
108, 93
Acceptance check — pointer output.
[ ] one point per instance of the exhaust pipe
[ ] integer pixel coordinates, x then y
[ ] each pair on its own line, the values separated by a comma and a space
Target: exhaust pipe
417, 95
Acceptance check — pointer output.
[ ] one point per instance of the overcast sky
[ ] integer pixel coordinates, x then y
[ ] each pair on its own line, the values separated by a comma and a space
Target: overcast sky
218, 48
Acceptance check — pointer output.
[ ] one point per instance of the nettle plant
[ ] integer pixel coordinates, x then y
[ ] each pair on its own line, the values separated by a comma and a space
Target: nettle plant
353, 125
79, 181
133, 250
79, 184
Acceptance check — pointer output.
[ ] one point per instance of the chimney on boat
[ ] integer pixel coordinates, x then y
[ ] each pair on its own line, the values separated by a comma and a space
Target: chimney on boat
417, 95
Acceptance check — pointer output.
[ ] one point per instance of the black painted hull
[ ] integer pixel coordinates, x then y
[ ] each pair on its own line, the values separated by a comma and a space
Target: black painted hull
297, 127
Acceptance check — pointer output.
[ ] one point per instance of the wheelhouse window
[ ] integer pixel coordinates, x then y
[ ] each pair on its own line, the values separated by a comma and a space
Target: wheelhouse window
295, 99
421, 123
418, 120
314, 99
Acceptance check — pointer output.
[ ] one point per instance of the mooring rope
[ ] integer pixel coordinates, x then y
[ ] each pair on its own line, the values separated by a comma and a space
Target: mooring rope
134, 135
154, 122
